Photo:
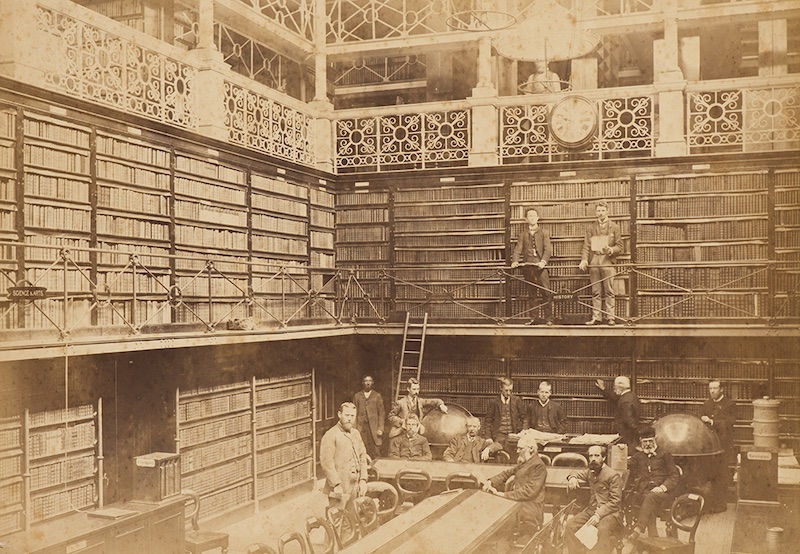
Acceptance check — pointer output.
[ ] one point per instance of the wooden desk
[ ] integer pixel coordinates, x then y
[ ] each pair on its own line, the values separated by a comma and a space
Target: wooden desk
456, 522
151, 527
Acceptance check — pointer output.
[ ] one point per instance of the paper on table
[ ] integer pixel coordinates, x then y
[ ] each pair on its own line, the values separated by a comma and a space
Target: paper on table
589, 438
599, 243
587, 535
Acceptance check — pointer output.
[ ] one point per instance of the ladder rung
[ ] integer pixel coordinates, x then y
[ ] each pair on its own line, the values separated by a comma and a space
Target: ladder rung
411, 351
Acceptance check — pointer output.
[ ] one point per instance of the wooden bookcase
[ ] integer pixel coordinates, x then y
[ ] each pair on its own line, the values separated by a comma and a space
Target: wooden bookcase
12, 498
245, 441
322, 220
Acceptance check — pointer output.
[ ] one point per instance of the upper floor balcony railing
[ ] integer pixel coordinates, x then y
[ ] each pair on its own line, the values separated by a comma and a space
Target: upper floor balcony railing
141, 293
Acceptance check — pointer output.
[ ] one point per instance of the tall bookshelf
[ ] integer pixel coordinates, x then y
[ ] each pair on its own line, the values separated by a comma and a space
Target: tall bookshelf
688, 220
470, 383
9, 207
322, 220
787, 242
211, 219
57, 211
245, 441
363, 242
133, 215
280, 237
12, 498
216, 446
566, 209
450, 241
63, 461
786, 388
283, 433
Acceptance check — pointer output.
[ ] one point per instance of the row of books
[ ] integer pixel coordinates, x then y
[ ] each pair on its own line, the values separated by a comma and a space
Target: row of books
361, 198
485, 238
322, 218
788, 196
8, 219
786, 369
438, 275
64, 501
322, 259
214, 238
458, 291
189, 410
449, 256
788, 217
490, 222
283, 413
134, 201
7, 158
53, 217
279, 205
229, 263
225, 500
139, 176
696, 232
132, 151
405, 211
49, 130
263, 222
275, 437
280, 285
205, 168
217, 287
58, 280
287, 454
787, 238
8, 123
208, 191
732, 277
702, 253
279, 186
193, 393
617, 210
219, 477
284, 479
214, 430
547, 192
566, 229
61, 440
693, 307
568, 367
209, 454
61, 188
727, 182
681, 390
366, 215
125, 312
62, 471
322, 198
134, 228
362, 234
151, 257
62, 415
59, 160
11, 462
320, 239
209, 213
268, 394
448, 194
704, 369
730, 205
349, 253
282, 245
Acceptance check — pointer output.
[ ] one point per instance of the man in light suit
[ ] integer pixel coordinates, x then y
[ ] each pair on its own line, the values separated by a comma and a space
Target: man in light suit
370, 416
601, 246
343, 458
533, 251
411, 404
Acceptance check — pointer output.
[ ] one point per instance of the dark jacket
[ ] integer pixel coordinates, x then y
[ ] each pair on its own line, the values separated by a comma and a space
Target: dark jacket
647, 472
523, 251
493, 416
370, 411
461, 449
723, 413
527, 487
411, 448
626, 416
556, 416
606, 492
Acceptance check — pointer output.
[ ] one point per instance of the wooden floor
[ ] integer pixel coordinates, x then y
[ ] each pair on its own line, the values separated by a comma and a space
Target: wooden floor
714, 534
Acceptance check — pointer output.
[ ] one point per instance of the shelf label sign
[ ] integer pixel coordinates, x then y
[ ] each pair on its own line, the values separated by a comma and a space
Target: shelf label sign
25, 291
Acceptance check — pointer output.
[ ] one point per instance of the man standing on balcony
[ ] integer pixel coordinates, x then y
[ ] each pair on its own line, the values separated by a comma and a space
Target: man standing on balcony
601, 245
370, 416
532, 252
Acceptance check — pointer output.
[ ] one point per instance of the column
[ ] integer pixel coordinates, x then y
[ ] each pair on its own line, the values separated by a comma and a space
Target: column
485, 86
772, 47
18, 60
584, 73
670, 83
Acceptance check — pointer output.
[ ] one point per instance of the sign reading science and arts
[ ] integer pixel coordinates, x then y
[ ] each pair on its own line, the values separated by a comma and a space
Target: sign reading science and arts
25, 292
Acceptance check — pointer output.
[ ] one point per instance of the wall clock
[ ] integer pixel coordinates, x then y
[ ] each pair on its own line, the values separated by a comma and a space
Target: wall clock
573, 121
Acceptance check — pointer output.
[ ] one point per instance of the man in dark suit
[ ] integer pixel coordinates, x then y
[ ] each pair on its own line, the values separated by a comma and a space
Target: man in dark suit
719, 413
626, 413
506, 414
532, 252
370, 416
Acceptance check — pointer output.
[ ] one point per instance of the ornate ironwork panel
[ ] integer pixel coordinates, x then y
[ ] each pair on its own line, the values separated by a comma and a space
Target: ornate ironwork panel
357, 20
258, 122
98, 66
380, 70
524, 136
627, 126
404, 141
296, 16
772, 119
715, 121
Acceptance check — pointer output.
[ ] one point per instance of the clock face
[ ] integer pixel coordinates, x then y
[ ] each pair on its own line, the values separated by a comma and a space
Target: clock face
573, 121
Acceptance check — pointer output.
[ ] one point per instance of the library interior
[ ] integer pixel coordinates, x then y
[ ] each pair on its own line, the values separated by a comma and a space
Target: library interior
217, 217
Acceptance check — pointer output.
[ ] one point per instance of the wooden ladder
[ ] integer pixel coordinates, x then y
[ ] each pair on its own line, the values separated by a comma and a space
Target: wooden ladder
413, 350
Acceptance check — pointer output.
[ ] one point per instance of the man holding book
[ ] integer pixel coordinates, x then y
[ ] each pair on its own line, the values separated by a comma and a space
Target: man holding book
601, 245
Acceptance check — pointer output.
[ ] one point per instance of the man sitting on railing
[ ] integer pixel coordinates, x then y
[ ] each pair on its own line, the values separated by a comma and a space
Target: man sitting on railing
468, 447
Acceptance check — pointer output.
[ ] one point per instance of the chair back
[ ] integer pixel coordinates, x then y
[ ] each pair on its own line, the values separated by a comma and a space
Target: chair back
501, 457
685, 513
462, 478
366, 511
288, 538
546, 459
194, 500
570, 459
412, 475
329, 541
388, 499
259, 548
345, 526
550, 538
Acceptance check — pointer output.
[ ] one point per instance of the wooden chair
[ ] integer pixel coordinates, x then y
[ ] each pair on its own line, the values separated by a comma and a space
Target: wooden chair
345, 526
197, 541
259, 548
288, 538
550, 538
685, 516
500, 457
462, 478
546, 459
388, 499
314, 523
409, 497
366, 511
569, 459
